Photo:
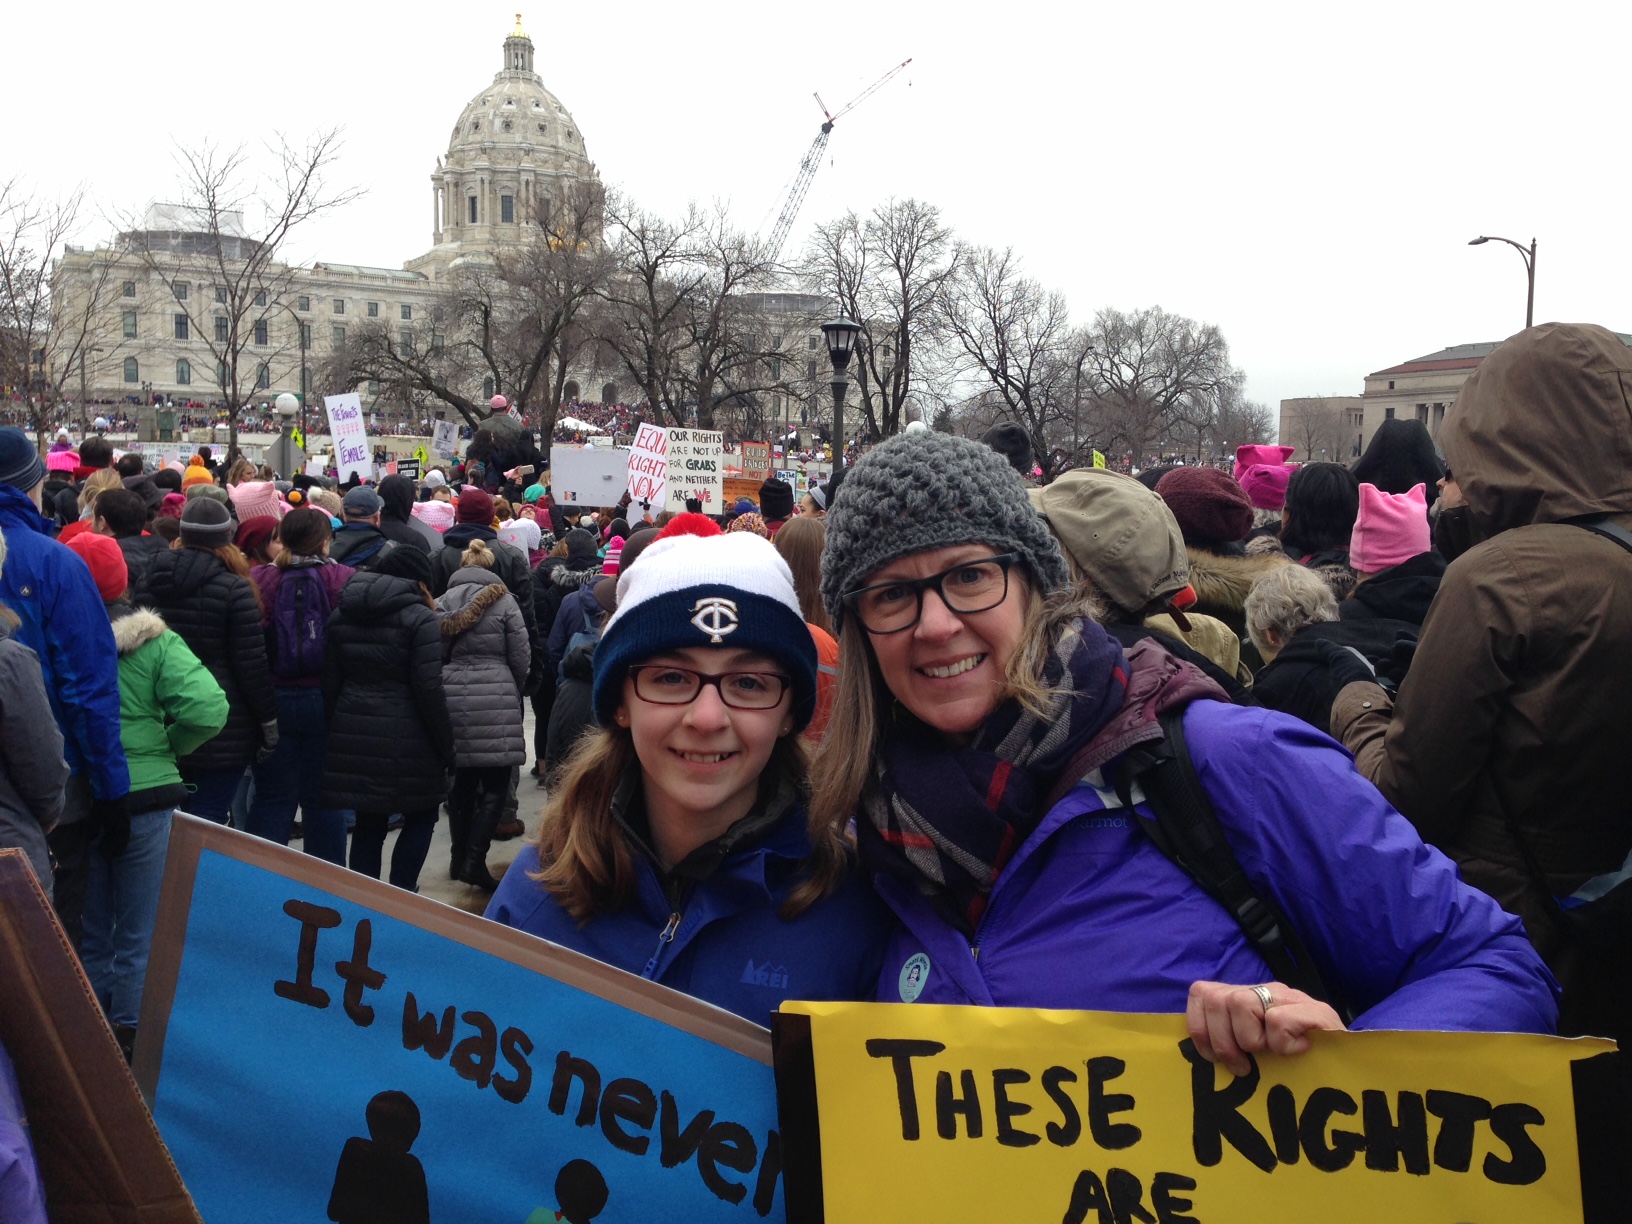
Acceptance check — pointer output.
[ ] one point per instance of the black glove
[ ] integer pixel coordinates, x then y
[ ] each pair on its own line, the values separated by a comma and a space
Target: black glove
1346, 664
112, 817
269, 740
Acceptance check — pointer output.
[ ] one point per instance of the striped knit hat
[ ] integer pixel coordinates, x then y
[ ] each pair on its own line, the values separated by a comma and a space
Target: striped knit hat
726, 591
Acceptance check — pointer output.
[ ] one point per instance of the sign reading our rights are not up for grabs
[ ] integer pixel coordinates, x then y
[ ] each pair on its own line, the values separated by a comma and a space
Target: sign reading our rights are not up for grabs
915, 1113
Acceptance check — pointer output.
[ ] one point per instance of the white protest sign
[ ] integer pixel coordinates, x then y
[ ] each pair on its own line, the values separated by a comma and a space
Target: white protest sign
445, 439
648, 467
695, 468
351, 452
588, 475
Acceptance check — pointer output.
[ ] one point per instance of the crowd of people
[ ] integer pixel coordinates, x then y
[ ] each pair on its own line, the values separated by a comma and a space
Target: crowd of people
873, 733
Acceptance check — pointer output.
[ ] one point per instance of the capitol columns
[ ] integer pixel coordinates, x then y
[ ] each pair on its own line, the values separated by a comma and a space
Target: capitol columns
436, 208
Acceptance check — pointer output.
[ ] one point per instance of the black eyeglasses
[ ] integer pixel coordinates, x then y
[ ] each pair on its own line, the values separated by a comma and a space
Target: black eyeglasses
970, 586
661, 684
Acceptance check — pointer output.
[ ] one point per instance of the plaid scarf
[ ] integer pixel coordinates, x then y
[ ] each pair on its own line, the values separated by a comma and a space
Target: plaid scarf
948, 818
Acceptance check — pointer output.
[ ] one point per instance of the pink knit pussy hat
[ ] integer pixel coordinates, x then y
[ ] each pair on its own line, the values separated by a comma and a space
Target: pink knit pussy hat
1390, 529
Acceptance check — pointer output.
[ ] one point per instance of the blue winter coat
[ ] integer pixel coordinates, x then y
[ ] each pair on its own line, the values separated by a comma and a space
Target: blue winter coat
727, 945
65, 622
1089, 914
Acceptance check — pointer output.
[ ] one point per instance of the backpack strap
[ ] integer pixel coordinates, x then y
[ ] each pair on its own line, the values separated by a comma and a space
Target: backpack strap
1184, 826
1603, 527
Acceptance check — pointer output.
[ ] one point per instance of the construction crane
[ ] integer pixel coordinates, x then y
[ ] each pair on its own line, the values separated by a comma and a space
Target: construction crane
813, 158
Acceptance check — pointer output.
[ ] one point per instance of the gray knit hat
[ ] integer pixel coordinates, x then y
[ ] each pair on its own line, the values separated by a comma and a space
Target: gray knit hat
206, 522
922, 491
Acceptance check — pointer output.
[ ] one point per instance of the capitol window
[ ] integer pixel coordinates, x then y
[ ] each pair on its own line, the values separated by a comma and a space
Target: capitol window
181, 327
338, 337
184, 372
473, 210
180, 290
263, 377
221, 328
130, 324
130, 288
507, 125
133, 371
220, 293
373, 310
407, 312
303, 303
339, 305
541, 127
261, 331
260, 297
507, 208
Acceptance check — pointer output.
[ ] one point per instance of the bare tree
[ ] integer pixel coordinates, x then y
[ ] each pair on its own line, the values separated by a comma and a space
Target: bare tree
720, 326
1152, 373
890, 273
228, 282
1317, 428
47, 332
1016, 336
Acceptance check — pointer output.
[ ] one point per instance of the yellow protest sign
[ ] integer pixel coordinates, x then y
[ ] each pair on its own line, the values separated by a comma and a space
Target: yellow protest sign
913, 1113
1099, 460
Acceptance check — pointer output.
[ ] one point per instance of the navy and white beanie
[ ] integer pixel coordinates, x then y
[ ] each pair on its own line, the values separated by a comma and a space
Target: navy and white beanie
730, 590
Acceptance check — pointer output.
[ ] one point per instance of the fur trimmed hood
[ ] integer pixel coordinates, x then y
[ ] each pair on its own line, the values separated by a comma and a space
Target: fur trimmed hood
1221, 583
136, 629
458, 622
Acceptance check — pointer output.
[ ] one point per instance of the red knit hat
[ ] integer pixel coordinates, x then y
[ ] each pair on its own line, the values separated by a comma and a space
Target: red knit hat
689, 523
1209, 505
107, 563
474, 506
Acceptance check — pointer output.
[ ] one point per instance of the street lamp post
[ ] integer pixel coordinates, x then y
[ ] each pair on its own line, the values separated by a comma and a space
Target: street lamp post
1528, 254
840, 335
284, 457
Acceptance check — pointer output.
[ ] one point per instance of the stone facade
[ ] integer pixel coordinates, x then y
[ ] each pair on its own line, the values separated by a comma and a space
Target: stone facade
513, 153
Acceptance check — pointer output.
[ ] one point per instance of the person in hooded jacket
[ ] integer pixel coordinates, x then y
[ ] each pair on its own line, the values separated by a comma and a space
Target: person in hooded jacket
677, 843
555, 580
486, 653
473, 513
390, 738
299, 592
1506, 744
980, 741
397, 519
1399, 457
203, 591
169, 704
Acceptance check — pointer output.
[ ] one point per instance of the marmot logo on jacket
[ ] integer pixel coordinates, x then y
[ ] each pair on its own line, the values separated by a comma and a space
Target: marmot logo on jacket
765, 975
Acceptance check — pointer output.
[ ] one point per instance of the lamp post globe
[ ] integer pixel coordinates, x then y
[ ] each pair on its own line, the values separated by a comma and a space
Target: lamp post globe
287, 405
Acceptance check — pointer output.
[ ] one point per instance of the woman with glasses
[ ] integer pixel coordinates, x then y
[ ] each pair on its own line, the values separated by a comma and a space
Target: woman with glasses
676, 843
980, 736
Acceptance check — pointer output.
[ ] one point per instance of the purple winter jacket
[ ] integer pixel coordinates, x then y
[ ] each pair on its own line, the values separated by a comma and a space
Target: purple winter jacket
1090, 915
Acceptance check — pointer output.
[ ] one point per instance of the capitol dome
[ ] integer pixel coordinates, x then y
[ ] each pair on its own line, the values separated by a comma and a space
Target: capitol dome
513, 154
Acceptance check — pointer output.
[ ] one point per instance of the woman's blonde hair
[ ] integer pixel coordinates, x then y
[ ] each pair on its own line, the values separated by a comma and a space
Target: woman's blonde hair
478, 554
241, 470
800, 541
588, 862
98, 483
865, 712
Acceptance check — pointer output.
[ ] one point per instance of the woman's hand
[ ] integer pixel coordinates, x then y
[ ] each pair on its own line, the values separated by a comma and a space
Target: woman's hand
1229, 1022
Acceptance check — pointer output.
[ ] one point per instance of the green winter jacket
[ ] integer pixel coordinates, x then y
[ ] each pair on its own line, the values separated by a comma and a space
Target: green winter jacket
169, 704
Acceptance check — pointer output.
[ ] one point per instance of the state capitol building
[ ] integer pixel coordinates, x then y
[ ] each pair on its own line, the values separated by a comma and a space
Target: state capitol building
513, 151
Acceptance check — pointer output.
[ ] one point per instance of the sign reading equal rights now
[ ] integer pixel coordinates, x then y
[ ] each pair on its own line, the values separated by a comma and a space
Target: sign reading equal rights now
318, 1045
915, 1113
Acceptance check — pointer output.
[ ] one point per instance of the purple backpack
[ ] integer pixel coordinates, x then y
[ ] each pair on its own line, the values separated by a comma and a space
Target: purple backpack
300, 622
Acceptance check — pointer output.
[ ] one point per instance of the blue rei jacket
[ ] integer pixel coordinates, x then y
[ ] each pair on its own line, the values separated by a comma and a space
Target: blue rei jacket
719, 937
1090, 914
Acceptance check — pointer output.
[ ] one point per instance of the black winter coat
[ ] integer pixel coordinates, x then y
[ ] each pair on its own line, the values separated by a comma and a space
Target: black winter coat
396, 517
1299, 682
571, 715
390, 738
217, 614
1403, 592
554, 580
139, 552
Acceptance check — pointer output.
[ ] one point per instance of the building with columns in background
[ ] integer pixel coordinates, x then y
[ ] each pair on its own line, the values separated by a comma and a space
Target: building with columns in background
513, 153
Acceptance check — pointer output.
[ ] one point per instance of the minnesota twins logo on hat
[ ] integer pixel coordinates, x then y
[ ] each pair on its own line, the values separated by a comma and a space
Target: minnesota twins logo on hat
716, 617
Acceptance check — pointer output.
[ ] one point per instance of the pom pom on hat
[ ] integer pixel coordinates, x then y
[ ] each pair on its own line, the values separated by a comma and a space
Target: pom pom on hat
732, 591
689, 523
614, 554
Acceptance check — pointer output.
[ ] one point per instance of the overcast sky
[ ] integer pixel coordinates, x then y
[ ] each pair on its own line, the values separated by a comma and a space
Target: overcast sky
1306, 176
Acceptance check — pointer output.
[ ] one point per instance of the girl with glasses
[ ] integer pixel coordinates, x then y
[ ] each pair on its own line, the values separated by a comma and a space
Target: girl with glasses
677, 843
981, 726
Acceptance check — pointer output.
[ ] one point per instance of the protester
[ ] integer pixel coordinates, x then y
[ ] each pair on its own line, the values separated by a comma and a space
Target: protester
1013, 443
390, 739
32, 771
61, 619
358, 542
397, 519
555, 581
298, 593
1322, 500
202, 590
680, 825
775, 504
487, 650
97, 483
122, 516
800, 543
960, 743
1397, 573
257, 539
1399, 457
474, 512
1507, 742
169, 705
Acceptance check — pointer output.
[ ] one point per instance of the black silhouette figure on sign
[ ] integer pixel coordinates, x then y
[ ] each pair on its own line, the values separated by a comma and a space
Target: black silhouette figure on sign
580, 1195
377, 1180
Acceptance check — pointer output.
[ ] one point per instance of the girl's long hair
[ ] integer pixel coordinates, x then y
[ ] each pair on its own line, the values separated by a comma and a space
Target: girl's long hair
587, 861
800, 541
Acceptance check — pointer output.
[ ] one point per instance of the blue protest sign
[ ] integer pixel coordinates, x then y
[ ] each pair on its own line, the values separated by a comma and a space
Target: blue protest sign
317, 1045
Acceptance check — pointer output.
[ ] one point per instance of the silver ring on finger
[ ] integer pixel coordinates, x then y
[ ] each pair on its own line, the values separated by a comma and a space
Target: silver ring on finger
1264, 997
